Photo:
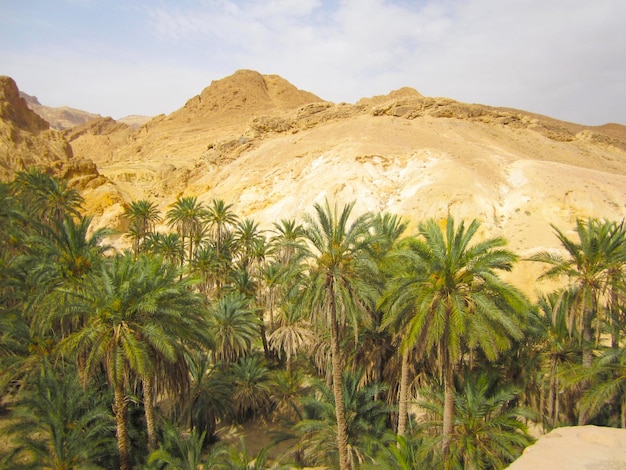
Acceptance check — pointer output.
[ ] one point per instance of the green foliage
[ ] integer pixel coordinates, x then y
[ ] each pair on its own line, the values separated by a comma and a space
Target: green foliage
219, 321
365, 423
489, 432
60, 425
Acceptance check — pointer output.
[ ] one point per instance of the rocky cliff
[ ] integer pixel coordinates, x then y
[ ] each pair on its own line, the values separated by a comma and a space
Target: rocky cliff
27, 141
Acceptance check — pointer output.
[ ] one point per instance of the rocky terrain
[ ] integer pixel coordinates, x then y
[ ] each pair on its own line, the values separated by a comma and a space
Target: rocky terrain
272, 150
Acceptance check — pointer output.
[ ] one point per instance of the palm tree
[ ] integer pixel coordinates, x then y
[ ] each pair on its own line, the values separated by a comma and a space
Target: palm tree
488, 429
590, 266
365, 425
288, 241
142, 216
220, 219
187, 215
449, 301
252, 387
293, 334
339, 260
234, 326
210, 395
139, 313
167, 245
249, 243
58, 424
186, 452
607, 379
46, 197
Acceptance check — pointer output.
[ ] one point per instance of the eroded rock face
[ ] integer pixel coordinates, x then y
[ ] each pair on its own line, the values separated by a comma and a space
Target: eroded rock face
576, 448
26, 141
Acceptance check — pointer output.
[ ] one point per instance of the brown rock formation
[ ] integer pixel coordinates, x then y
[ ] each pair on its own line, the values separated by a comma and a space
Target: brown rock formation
26, 141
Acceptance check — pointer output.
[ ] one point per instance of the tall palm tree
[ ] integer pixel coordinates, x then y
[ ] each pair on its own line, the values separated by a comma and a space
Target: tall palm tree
249, 243
288, 241
366, 423
187, 215
142, 216
220, 219
139, 313
449, 301
590, 265
339, 260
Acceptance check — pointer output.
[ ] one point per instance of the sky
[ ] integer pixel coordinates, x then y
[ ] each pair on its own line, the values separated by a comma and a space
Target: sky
561, 58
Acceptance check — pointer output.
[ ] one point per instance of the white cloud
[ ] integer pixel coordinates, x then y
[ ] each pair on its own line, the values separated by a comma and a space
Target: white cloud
563, 58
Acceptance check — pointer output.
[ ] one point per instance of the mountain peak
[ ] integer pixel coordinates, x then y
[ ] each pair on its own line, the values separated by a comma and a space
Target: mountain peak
248, 92
13, 108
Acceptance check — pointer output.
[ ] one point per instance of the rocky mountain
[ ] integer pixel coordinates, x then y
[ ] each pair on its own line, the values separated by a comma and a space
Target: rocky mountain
27, 141
59, 118
272, 150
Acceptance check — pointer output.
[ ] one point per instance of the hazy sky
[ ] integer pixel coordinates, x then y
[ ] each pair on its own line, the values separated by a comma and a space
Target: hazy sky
562, 58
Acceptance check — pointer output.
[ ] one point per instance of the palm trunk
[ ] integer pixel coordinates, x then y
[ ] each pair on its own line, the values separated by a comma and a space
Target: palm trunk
342, 432
403, 400
266, 349
448, 413
148, 407
587, 360
123, 441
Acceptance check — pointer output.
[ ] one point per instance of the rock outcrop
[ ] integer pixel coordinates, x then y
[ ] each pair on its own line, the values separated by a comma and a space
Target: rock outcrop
26, 141
576, 448
25, 138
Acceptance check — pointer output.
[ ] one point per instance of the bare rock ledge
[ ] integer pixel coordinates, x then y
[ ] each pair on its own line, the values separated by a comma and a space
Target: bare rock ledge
576, 448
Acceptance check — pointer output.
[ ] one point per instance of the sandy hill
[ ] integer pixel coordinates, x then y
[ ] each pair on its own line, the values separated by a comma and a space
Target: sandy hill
273, 150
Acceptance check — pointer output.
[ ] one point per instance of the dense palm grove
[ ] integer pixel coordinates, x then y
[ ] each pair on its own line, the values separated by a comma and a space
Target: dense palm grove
371, 347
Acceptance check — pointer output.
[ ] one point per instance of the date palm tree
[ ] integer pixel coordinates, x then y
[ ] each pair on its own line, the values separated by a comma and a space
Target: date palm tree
137, 311
235, 327
167, 245
142, 216
338, 261
489, 431
58, 424
46, 197
590, 265
365, 423
451, 302
220, 219
288, 241
187, 215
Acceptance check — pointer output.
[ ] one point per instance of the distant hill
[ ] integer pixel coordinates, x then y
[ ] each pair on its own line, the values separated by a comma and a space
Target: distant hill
59, 118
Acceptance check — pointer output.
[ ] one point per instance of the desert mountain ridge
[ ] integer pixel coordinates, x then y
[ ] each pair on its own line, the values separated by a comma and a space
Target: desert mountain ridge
272, 150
